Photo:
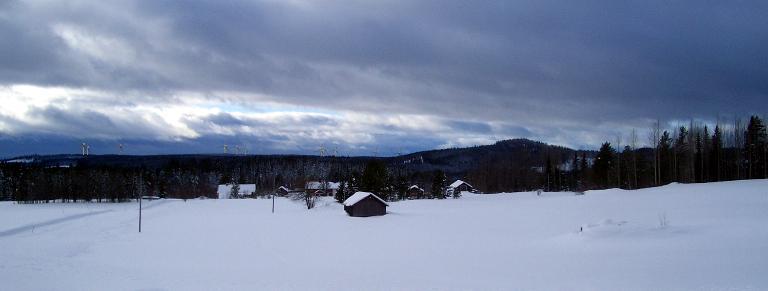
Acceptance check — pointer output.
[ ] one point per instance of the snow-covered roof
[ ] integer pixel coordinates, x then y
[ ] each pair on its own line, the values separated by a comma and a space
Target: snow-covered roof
458, 183
318, 185
360, 196
415, 187
284, 189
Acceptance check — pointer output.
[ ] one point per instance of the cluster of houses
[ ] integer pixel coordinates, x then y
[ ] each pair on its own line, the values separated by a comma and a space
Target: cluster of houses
360, 204
249, 190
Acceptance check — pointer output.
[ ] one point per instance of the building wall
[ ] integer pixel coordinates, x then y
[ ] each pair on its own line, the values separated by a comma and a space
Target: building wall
369, 206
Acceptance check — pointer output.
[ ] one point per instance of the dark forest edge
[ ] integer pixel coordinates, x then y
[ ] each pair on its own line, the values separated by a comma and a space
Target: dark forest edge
692, 153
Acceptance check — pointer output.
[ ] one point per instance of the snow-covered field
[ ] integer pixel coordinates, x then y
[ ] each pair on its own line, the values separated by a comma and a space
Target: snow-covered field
676, 237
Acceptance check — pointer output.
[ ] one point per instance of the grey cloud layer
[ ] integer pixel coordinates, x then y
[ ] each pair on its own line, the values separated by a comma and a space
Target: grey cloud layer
562, 71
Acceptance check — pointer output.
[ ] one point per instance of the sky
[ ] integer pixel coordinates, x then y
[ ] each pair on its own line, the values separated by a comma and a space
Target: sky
368, 77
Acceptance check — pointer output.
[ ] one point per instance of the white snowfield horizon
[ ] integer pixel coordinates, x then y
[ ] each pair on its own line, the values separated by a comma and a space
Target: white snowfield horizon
677, 237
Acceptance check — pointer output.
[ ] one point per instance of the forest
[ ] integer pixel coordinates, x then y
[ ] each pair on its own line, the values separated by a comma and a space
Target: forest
694, 152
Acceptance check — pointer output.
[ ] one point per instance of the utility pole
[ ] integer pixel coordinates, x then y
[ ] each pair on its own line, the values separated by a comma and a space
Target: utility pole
141, 196
619, 152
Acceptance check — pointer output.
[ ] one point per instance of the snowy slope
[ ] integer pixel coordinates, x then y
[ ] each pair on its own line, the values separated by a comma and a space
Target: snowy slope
715, 238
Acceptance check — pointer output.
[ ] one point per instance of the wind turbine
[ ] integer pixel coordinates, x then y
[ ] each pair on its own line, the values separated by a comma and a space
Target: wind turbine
322, 150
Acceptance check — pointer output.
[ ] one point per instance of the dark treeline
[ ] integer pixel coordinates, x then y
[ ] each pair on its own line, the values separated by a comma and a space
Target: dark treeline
91, 179
688, 153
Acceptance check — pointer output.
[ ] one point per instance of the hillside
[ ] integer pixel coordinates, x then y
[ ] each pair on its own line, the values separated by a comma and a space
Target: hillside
457, 163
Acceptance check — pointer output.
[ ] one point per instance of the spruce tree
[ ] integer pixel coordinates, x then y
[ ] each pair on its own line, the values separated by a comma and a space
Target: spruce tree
716, 154
755, 147
682, 149
438, 184
375, 178
234, 192
341, 192
603, 165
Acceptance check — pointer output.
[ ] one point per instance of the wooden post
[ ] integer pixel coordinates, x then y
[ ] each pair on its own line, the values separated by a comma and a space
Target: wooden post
273, 203
140, 198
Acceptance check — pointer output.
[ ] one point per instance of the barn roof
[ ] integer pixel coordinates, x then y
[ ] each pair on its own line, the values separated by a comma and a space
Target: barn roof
360, 196
458, 183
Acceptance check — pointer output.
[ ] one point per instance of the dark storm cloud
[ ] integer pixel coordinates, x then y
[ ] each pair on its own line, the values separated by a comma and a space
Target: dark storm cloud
551, 70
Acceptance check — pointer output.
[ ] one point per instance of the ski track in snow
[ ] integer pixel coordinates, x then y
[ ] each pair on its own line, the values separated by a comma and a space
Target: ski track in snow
30, 227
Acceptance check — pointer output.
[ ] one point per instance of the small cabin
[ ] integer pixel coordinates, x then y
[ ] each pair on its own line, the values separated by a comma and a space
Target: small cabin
365, 204
460, 186
282, 191
415, 192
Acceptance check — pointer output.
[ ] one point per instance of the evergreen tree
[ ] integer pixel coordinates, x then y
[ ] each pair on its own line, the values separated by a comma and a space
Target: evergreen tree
706, 165
716, 154
576, 175
438, 184
4, 193
682, 149
234, 191
603, 165
548, 175
402, 187
755, 147
341, 193
699, 158
666, 163
354, 183
583, 171
375, 178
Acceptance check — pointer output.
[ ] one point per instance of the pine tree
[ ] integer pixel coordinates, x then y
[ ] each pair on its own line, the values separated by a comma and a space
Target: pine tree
681, 155
375, 178
234, 192
438, 184
603, 165
717, 153
576, 173
666, 156
706, 165
583, 171
755, 143
548, 175
699, 158
341, 193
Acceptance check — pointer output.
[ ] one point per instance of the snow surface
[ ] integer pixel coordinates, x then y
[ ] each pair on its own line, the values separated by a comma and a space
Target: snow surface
715, 238
360, 196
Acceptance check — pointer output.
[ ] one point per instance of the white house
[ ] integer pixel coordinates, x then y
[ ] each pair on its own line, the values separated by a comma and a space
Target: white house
459, 186
315, 186
245, 190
